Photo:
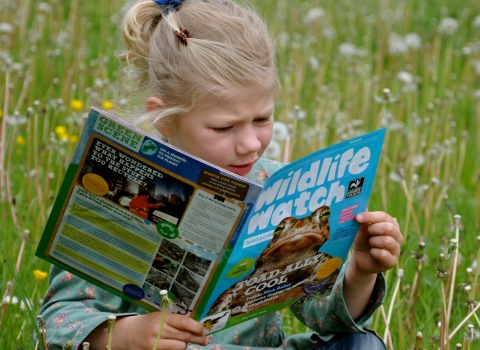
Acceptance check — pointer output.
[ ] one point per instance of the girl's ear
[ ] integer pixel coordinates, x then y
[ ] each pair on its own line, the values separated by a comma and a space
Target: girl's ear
165, 126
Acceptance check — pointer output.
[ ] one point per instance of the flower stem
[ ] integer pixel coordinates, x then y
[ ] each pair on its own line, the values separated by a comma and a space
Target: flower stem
392, 302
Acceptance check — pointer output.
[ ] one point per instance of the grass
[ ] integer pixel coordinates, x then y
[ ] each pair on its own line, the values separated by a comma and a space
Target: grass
56, 59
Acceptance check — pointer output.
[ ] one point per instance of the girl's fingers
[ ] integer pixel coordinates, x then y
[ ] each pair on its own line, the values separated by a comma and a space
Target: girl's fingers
183, 323
386, 243
184, 329
386, 229
384, 258
171, 344
372, 217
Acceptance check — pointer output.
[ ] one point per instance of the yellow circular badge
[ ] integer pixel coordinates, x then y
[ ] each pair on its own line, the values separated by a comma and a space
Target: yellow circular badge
95, 184
328, 267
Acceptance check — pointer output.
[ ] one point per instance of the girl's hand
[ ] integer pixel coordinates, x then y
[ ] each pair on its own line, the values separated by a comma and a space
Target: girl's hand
377, 245
140, 332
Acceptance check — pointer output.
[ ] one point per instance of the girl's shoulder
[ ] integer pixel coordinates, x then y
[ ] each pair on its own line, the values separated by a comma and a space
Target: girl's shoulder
263, 168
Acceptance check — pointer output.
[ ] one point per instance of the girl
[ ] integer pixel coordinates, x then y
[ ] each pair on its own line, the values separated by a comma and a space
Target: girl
208, 75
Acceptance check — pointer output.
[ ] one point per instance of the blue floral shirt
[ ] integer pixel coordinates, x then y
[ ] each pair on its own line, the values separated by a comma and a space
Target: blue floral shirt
72, 308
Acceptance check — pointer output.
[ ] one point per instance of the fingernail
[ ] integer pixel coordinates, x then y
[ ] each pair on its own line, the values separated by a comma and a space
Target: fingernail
359, 217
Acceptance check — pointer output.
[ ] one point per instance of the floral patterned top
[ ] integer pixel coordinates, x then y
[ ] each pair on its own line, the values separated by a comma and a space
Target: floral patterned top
72, 308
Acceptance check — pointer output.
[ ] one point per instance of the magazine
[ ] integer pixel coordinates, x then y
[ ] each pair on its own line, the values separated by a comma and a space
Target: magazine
136, 215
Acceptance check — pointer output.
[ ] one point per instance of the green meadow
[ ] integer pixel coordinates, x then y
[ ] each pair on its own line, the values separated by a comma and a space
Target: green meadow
347, 67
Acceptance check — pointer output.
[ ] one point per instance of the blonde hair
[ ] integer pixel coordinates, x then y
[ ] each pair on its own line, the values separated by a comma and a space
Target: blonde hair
229, 48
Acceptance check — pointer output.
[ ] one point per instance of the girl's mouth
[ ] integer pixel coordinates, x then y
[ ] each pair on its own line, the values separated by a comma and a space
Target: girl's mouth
242, 169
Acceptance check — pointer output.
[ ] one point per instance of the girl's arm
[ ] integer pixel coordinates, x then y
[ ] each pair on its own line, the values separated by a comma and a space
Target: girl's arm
376, 249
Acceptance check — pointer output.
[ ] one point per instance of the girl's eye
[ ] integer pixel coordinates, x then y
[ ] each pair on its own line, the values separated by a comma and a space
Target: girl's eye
224, 129
262, 120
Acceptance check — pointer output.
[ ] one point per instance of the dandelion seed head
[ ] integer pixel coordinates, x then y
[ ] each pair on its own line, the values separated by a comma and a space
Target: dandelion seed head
27, 304
448, 25
280, 131
347, 50
329, 32
405, 77
6, 28
273, 151
313, 15
395, 176
413, 41
477, 70
283, 39
314, 63
296, 114
476, 22
396, 45
418, 160
7, 299
471, 334
16, 119
44, 7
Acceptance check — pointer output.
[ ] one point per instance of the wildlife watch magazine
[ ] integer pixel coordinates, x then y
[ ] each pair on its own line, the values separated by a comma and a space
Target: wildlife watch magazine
135, 216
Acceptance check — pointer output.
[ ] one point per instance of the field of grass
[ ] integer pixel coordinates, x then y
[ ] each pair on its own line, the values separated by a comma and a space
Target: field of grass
347, 67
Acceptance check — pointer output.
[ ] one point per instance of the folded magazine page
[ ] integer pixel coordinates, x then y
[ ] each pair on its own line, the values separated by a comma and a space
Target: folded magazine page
135, 215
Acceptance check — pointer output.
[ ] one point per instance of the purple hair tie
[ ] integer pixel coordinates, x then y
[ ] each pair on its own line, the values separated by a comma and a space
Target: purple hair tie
170, 5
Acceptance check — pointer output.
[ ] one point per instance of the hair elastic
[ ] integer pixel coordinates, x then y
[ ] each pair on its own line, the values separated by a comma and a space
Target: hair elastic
182, 35
171, 5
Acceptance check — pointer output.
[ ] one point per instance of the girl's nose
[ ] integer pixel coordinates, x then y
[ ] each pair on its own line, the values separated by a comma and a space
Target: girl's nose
248, 142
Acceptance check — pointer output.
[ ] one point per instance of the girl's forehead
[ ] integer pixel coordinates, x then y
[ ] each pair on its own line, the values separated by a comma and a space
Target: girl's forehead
260, 100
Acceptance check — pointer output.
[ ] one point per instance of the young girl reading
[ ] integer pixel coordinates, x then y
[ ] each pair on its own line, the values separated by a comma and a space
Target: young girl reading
207, 71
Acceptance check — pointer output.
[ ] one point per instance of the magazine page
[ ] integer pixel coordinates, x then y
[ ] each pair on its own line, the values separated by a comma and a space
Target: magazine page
298, 234
135, 215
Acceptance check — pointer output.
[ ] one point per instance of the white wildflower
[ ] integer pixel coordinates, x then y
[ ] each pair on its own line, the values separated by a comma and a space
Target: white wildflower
313, 15
448, 25
6, 27
347, 49
396, 44
476, 22
477, 68
273, 151
413, 41
280, 131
